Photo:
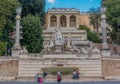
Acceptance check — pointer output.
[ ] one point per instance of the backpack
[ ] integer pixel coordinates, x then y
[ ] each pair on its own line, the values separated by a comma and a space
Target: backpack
38, 80
41, 80
58, 78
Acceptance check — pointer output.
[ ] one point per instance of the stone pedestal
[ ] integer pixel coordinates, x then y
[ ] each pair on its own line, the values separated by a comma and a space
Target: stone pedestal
105, 50
105, 53
58, 49
24, 52
16, 50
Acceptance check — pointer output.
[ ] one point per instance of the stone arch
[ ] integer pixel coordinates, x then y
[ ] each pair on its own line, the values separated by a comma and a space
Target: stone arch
72, 21
63, 21
53, 21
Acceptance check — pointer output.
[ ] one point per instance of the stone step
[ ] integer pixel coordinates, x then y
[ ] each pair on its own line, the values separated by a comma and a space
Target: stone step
69, 62
86, 67
64, 78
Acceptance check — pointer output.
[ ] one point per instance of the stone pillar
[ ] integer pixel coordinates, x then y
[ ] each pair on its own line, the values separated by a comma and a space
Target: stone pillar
17, 39
104, 33
105, 48
68, 21
58, 20
77, 20
48, 21
17, 47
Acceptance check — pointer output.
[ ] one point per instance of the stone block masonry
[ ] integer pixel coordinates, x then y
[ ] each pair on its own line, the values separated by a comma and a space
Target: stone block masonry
29, 67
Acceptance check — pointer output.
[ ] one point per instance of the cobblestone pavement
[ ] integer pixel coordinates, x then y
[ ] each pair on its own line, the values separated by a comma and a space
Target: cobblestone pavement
25, 82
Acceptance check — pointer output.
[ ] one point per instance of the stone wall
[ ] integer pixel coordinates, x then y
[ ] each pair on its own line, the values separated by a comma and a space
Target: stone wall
114, 49
84, 20
111, 67
81, 19
8, 68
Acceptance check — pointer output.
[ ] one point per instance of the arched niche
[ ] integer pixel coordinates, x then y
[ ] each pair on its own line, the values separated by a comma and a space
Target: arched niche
63, 22
72, 21
53, 21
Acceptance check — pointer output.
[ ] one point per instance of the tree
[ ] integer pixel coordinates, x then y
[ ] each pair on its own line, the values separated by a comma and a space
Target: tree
34, 7
2, 48
90, 35
95, 17
7, 11
113, 18
7, 8
32, 33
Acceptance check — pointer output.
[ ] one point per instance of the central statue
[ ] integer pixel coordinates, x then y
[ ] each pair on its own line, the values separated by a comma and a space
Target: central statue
59, 40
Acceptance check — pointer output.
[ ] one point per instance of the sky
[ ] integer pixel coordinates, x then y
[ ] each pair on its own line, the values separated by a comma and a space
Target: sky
82, 5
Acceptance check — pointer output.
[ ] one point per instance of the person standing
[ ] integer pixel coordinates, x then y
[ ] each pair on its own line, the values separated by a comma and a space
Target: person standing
77, 73
37, 78
44, 74
74, 74
40, 80
59, 77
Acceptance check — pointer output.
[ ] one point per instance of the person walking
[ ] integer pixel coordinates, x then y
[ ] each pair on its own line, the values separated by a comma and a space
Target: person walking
59, 77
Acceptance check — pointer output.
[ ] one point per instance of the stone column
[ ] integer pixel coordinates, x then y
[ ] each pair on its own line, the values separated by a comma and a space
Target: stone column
105, 48
17, 34
68, 20
77, 20
103, 25
48, 26
17, 47
58, 20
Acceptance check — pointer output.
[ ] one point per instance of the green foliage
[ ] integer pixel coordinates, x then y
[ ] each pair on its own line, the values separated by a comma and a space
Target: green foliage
34, 7
63, 70
2, 48
7, 12
7, 8
90, 35
113, 18
32, 33
95, 17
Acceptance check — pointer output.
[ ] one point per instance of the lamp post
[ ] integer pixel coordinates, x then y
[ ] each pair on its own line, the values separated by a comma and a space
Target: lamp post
103, 25
17, 34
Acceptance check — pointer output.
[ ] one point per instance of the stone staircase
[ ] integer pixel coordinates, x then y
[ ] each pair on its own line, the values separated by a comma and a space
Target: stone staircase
88, 68
29, 67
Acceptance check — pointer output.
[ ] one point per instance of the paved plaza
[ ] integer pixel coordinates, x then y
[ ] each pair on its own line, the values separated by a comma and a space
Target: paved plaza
94, 82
